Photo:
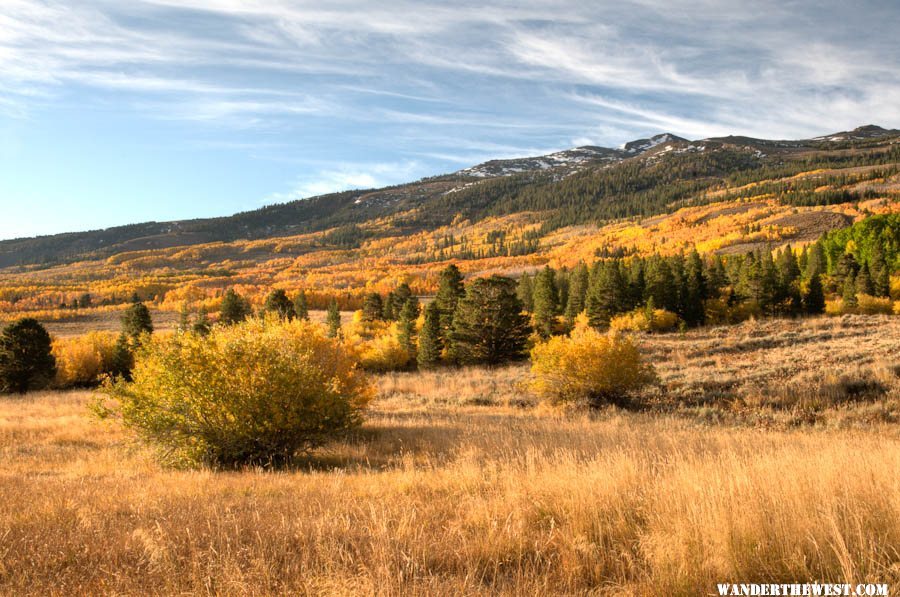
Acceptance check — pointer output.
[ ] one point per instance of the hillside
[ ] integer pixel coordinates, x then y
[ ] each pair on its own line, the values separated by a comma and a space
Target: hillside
662, 194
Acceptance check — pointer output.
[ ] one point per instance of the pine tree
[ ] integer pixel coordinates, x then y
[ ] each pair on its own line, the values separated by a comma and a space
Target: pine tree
525, 292
333, 320
430, 345
184, 319
489, 326
450, 291
661, 284
399, 298
546, 303
864, 283
695, 290
373, 307
848, 296
121, 361
202, 326
234, 308
814, 299
716, 277
407, 325
881, 280
136, 320
26, 357
301, 309
577, 291
607, 295
816, 262
278, 303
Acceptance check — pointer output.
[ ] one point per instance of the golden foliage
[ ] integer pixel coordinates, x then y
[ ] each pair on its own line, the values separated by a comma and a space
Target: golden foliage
640, 320
83, 360
588, 367
257, 392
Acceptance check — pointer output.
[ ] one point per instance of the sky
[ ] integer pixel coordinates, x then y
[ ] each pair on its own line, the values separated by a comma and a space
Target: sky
114, 112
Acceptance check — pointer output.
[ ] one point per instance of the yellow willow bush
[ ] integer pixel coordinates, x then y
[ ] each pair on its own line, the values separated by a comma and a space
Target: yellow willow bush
83, 360
588, 367
376, 344
638, 321
260, 392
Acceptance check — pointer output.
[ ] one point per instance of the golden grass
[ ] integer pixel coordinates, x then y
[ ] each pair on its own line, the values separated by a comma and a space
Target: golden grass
458, 484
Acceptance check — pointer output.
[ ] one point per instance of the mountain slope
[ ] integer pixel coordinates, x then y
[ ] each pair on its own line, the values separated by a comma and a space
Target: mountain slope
583, 185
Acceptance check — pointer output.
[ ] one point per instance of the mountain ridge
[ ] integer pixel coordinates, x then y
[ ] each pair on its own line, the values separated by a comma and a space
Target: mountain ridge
489, 187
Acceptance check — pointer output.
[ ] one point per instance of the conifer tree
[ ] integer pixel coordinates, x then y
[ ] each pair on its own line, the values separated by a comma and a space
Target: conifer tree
26, 359
864, 280
136, 320
202, 326
848, 296
489, 326
607, 295
430, 345
184, 319
881, 285
525, 292
278, 303
695, 290
545, 302
373, 307
333, 319
234, 308
814, 299
407, 325
450, 291
577, 291
301, 309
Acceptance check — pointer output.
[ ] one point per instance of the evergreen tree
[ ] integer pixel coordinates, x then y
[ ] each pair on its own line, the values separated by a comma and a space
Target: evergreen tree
716, 277
387, 309
525, 292
695, 290
846, 268
864, 280
814, 299
184, 319
489, 326
578, 286
546, 303
849, 294
816, 262
333, 319
430, 345
661, 284
881, 280
136, 320
450, 291
121, 361
26, 359
278, 303
234, 308
373, 307
607, 295
399, 298
407, 325
301, 309
202, 326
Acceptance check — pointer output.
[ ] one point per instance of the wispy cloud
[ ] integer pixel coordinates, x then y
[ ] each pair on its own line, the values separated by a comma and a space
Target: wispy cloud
347, 177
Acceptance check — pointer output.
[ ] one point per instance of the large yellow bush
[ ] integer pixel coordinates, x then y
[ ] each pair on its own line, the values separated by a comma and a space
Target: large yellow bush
83, 360
255, 393
640, 320
588, 367
376, 344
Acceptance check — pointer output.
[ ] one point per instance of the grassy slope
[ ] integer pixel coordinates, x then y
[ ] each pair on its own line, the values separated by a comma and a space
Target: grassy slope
458, 485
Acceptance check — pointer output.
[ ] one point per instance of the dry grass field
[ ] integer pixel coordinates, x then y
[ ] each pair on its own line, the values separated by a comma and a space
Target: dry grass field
768, 451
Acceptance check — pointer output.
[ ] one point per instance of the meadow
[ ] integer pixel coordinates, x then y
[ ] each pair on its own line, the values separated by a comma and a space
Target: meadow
767, 451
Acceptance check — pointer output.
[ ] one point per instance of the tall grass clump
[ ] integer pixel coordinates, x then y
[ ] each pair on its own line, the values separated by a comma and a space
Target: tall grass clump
257, 393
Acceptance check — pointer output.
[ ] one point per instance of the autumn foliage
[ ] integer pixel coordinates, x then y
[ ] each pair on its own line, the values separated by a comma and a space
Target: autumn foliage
588, 367
260, 392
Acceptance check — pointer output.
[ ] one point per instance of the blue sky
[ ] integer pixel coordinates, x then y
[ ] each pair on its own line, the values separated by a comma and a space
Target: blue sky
113, 112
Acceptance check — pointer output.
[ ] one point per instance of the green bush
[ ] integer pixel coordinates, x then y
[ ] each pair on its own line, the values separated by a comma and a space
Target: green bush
260, 393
